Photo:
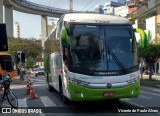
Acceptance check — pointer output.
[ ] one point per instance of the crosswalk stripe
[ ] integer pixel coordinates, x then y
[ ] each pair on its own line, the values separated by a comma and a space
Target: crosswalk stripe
42, 114
22, 103
47, 101
17, 86
125, 99
151, 88
150, 93
146, 97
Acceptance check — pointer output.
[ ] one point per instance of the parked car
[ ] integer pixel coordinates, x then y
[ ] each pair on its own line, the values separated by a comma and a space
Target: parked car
39, 71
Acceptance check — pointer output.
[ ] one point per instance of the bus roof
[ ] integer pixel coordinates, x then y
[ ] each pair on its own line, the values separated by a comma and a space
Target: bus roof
95, 18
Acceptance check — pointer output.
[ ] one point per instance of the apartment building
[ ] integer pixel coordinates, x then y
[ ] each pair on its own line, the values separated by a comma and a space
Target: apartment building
16, 30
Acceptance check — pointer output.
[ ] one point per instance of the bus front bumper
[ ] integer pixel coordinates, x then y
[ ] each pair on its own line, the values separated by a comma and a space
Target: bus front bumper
80, 93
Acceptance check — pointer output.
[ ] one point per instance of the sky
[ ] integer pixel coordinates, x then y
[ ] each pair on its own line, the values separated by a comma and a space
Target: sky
30, 25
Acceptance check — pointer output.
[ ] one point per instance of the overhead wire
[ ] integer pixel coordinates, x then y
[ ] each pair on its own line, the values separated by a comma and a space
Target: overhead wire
140, 15
86, 5
93, 5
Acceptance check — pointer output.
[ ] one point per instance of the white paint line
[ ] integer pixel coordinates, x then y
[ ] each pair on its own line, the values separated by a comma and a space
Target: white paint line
150, 93
17, 86
145, 97
41, 114
22, 102
151, 88
125, 99
47, 101
138, 105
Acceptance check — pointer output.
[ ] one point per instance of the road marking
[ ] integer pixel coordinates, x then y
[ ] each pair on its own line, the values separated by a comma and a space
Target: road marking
125, 99
150, 93
41, 114
138, 105
47, 101
18, 86
35, 85
151, 88
143, 96
156, 90
22, 102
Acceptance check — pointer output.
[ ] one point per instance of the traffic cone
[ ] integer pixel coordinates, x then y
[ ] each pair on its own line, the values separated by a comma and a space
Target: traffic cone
32, 93
27, 90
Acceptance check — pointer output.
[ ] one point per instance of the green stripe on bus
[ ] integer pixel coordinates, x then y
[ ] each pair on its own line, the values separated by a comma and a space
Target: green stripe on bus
98, 94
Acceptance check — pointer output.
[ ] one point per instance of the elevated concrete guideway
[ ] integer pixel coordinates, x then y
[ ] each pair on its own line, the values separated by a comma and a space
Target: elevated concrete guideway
34, 8
31, 8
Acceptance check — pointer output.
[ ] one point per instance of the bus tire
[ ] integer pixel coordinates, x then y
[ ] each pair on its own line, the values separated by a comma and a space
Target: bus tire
49, 87
64, 99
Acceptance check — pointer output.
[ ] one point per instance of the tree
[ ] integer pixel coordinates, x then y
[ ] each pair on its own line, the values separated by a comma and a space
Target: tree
151, 53
31, 47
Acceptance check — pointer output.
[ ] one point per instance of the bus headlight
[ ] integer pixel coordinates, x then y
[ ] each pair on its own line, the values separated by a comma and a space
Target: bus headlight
79, 82
134, 80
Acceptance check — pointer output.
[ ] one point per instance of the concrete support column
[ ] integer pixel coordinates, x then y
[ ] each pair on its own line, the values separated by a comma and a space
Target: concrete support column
9, 20
44, 30
1, 11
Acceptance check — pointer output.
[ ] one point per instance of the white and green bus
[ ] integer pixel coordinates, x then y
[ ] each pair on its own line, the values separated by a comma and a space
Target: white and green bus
91, 57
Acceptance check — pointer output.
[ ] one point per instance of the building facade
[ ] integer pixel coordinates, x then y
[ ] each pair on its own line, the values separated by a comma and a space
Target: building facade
16, 30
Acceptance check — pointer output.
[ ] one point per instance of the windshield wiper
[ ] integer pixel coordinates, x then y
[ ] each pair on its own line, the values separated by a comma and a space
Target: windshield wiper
117, 61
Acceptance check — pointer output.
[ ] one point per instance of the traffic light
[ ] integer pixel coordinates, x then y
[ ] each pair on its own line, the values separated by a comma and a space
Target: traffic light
22, 57
17, 56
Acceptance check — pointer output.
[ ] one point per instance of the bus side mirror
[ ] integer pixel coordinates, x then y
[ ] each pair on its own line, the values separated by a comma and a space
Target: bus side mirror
64, 37
143, 36
3, 38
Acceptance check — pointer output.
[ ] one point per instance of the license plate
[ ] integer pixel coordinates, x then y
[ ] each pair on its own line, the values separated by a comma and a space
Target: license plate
109, 93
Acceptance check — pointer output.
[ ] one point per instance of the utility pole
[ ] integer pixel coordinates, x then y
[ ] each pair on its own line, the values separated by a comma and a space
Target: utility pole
70, 2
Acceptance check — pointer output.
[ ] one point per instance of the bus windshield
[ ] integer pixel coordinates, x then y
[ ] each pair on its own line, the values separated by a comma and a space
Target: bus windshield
102, 47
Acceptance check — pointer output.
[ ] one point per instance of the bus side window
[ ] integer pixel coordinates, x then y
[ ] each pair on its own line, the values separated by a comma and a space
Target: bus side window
65, 55
58, 30
57, 61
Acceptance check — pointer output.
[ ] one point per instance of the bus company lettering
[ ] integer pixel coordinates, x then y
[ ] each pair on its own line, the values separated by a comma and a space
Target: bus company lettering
26, 110
85, 77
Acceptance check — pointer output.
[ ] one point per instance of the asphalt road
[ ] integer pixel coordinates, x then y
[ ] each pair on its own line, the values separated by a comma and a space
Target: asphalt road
148, 103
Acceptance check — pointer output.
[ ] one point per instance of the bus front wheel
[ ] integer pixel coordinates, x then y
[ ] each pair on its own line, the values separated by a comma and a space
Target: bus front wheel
49, 87
64, 99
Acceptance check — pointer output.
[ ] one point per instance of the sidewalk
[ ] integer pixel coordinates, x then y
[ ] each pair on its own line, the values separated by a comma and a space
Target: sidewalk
155, 76
16, 81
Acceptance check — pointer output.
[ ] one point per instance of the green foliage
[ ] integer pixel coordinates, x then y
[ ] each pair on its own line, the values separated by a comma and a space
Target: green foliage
132, 21
64, 37
46, 64
151, 53
31, 47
